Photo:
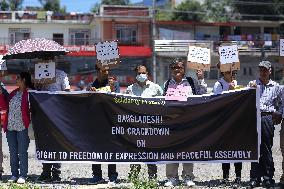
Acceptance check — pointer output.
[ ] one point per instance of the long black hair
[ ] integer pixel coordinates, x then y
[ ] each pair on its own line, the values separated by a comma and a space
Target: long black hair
26, 76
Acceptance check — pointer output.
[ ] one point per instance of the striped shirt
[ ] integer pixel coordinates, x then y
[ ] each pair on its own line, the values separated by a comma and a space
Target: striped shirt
270, 96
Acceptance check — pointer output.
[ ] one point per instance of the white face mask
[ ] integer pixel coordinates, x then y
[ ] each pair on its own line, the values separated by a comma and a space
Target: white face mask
142, 77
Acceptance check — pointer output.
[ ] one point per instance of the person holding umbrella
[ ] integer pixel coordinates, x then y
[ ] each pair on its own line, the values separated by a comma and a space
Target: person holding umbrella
51, 171
45, 49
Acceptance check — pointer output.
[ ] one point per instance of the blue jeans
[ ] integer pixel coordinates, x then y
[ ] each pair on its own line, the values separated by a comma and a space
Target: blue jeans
18, 142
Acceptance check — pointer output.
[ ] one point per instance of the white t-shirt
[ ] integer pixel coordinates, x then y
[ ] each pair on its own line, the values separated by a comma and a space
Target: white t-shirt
222, 85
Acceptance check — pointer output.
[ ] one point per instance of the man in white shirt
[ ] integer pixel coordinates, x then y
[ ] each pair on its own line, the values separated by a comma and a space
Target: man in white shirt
270, 99
145, 88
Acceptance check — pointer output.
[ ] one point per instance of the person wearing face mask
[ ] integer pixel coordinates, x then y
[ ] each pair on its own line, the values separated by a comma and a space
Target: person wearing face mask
226, 83
104, 80
196, 88
144, 88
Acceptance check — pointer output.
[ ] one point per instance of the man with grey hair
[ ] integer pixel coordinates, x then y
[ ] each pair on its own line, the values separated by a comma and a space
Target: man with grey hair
197, 87
270, 103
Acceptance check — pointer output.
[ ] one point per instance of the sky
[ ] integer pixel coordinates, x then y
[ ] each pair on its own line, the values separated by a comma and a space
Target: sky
71, 5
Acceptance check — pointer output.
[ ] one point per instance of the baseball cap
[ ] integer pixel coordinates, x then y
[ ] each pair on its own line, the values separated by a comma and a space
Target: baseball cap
265, 64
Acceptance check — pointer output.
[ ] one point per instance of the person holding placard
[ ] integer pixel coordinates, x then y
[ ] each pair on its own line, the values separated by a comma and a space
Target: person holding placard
51, 171
226, 83
145, 88
104, 83
189, 86
270, 106
16, 127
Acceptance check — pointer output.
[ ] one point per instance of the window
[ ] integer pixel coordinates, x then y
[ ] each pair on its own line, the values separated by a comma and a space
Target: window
250, 71
58, 37
126, 33
79, 37
18, 34
245, 71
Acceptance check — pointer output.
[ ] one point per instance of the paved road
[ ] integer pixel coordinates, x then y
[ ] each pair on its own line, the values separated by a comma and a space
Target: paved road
207, 174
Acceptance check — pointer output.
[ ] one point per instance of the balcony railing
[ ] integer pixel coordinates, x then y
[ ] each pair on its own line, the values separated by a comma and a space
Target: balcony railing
17, 16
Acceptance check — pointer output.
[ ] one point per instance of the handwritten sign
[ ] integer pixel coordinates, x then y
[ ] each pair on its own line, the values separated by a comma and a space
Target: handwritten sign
198, 55
198, 58
228, 54
107, 50
281, 47
45, 70
3, 66
178, 92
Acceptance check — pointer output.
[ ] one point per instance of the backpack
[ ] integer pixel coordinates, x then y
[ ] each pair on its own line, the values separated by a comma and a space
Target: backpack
189, 80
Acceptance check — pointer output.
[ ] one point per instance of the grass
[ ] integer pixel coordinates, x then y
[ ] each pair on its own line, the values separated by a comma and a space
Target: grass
142, 182
18, 186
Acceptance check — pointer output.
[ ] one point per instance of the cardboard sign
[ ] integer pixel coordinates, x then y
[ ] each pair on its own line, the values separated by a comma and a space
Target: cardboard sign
228, 54
45, 72
229, 58
178, 92
199, 58
107, 53
105, 89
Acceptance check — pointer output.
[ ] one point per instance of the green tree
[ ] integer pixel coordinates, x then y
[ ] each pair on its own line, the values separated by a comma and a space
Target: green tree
218, 11
52, 5
95, 8
4, 6
188, 10
15, 4
261, 9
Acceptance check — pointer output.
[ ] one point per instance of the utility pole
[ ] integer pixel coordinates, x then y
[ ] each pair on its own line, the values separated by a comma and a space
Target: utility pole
153, 41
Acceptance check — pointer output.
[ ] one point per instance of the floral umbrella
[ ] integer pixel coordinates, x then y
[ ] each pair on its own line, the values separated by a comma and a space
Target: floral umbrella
35, 48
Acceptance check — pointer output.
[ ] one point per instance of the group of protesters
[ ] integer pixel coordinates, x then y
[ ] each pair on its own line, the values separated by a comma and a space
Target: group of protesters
18, 120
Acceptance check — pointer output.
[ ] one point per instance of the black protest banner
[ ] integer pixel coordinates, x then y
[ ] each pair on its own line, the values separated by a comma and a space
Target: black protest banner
116, 128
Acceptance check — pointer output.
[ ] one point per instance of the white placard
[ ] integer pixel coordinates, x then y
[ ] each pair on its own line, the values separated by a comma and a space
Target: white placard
229, 54
107, 50
3, 65
198, 55
281, 47
45, 70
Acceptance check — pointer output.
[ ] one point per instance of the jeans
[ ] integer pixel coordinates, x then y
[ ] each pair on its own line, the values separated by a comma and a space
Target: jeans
265, 167
18, 142
97, 171
226, 170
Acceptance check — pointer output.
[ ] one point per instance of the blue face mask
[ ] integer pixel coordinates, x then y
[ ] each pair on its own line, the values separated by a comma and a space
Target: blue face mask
142, 77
